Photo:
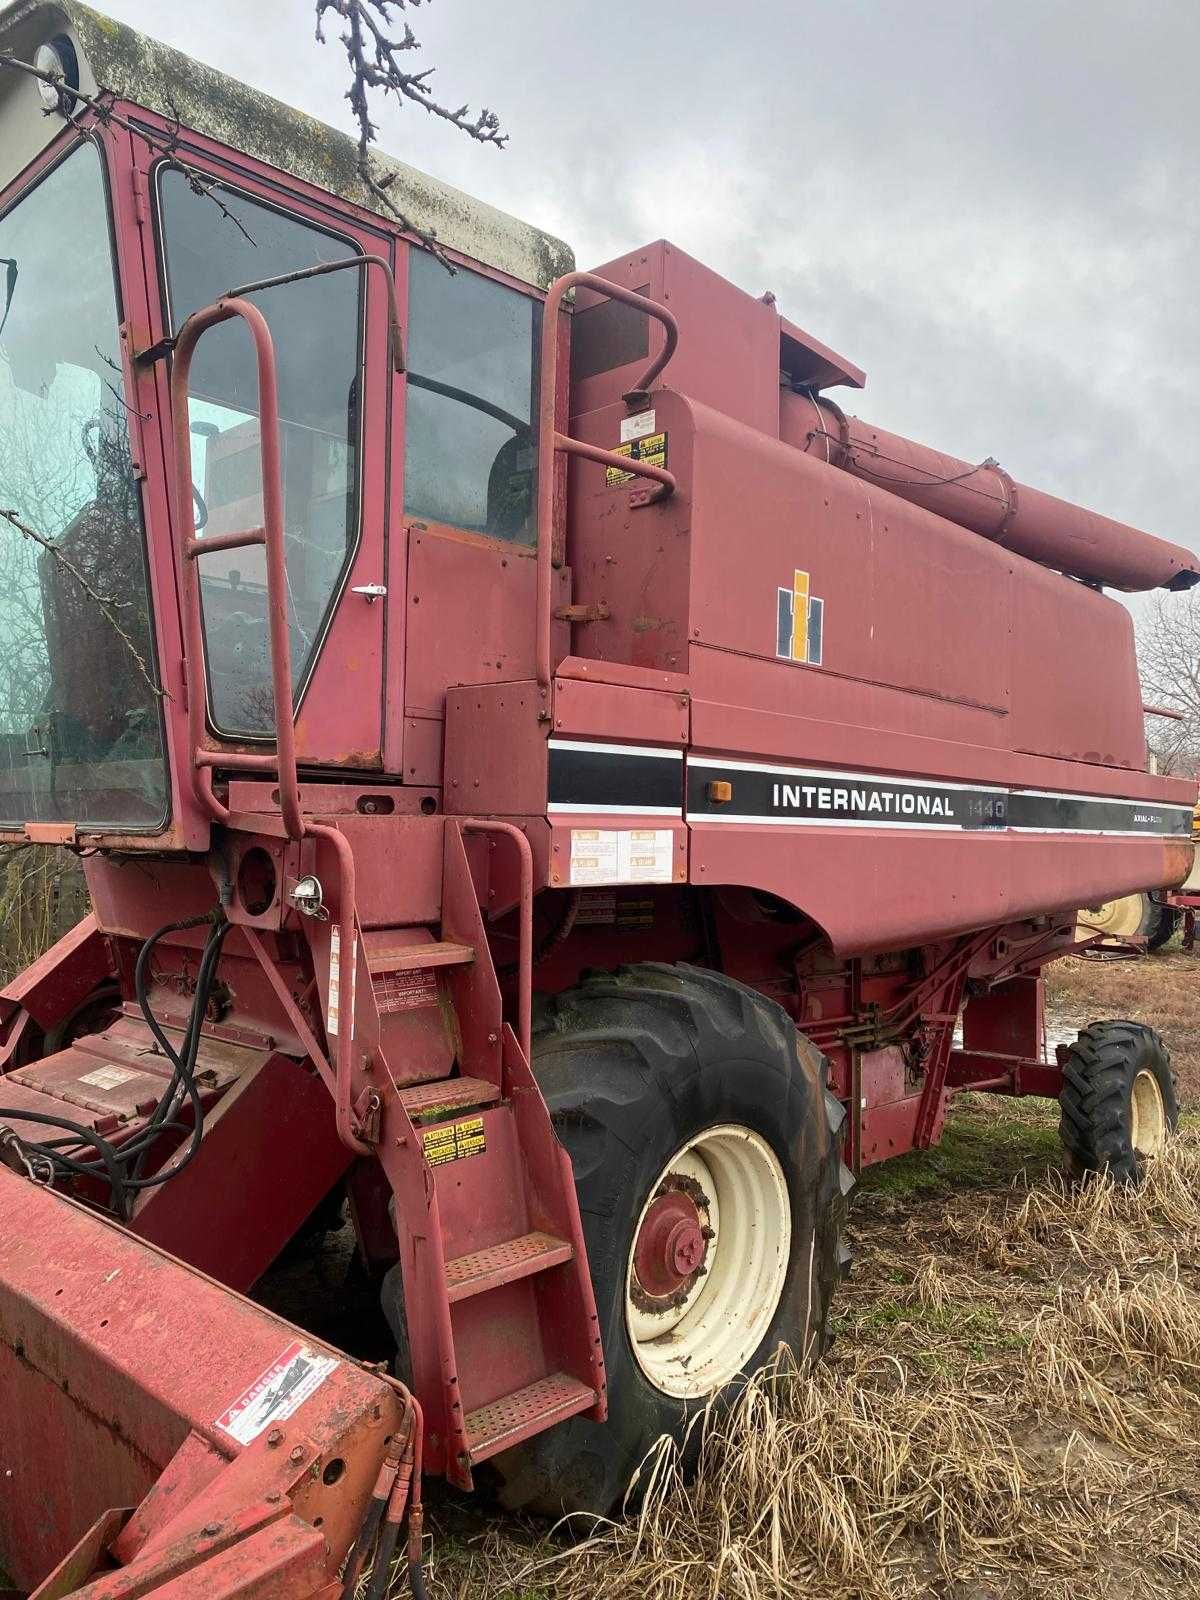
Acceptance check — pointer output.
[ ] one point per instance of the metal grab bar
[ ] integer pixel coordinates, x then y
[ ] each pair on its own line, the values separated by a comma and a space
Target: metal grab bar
270, 536
508, 830
551, 442
343, 1066
348, 264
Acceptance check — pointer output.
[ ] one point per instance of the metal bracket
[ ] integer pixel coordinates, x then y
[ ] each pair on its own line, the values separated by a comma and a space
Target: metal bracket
154, 352
601, 612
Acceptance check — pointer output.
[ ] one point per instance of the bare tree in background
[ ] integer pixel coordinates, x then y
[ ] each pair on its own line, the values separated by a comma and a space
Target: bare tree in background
376, 55
1169, 660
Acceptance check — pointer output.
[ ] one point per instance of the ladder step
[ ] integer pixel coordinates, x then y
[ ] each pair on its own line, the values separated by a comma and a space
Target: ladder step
448, 1094
515, 1417
411, 957
504, 1263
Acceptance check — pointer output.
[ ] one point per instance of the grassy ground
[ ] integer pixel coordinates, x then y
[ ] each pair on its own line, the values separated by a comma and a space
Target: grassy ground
1161, 990
1011, 1407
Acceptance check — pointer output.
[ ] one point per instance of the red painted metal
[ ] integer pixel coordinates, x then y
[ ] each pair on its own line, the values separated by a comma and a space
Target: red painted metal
270, 535
507, 830
551, 441
670, 1244
984, 498
97, 1325
639, 620
348, 939
60, 978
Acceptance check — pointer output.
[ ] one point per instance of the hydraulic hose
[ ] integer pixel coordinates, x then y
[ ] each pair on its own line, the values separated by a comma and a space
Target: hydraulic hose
121, 1164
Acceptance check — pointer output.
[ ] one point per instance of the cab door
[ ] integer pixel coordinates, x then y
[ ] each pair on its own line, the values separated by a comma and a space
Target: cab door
334, 383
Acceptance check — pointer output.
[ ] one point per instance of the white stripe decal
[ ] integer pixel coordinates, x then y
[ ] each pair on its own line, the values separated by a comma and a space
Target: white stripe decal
617, 749
567, 809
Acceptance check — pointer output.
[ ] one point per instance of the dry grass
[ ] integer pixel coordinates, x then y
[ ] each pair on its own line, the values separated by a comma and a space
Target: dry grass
1160, 989
1012, 1408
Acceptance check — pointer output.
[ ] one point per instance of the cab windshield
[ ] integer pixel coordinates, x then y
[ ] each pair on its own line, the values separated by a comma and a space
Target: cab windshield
80, 719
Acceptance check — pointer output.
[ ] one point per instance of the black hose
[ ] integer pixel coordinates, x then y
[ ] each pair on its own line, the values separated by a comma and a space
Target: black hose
416, 1581
381, 1571
185, 1062
121, 1164
362, 1545
84, 1136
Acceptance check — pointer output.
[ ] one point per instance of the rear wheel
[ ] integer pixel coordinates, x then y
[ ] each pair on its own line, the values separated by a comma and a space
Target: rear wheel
1120, 919
1159, 924
706, 1155
1118, 1100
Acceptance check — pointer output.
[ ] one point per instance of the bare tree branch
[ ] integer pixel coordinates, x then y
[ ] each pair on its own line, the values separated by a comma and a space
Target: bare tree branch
376, 65
202, 183
1169, 662
106, 604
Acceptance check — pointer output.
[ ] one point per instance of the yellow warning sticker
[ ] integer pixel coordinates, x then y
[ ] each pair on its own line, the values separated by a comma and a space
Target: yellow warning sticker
453, 1141
652, 449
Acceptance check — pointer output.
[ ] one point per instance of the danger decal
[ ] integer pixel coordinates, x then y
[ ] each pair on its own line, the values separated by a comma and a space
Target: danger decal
626, 855
277, 1393
454, 1141
652, 450
334, 1010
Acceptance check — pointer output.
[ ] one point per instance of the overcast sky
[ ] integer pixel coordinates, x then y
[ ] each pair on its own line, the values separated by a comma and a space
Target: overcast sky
990, 205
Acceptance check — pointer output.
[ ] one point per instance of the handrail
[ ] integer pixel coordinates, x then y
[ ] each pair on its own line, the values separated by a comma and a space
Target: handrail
525, 925
551, 442
270, 536
347, 264
347, 959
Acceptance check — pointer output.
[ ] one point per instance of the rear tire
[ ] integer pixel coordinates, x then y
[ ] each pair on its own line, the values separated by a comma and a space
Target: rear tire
1159, 925
1118, 1100
706, 1151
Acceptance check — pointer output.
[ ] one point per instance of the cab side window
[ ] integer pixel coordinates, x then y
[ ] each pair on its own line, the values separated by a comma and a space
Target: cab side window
470, 458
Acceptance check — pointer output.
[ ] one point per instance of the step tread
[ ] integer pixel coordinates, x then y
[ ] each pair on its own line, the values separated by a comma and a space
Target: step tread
481, 1270
448, 1094
514, 1417
412, 957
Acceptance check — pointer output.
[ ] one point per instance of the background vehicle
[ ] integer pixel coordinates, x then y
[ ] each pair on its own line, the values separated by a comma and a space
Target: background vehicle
564, 818
1136, 921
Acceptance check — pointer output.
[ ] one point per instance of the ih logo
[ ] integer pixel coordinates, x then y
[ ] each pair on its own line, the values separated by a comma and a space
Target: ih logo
801, 624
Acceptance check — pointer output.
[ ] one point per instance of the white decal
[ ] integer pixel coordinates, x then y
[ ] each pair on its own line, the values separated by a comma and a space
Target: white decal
335, 981
637, 427
631, 855
109, 1077
276, 1393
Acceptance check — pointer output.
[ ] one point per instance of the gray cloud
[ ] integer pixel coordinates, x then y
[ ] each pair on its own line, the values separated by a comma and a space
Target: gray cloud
991, 205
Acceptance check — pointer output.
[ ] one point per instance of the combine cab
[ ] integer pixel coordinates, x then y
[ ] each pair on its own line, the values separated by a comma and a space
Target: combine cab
550, 785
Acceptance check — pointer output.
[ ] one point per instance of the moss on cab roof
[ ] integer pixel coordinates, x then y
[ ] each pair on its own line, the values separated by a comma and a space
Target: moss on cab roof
142, 70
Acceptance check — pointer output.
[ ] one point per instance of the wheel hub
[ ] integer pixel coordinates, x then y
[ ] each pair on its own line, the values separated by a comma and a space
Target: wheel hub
708, 1261
672, 1243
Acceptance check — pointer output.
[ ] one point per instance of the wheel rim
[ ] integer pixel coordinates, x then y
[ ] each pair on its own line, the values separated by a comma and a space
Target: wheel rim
708, 1261
1115, 919
1148, 1116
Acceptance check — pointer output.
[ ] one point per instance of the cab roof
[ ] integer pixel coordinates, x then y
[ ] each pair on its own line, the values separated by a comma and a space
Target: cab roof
135, 68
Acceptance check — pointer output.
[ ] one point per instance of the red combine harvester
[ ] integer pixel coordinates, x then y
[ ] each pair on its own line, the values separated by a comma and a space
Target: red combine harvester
547, 779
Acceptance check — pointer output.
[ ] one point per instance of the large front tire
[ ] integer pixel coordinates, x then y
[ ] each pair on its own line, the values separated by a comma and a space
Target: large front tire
707, 1162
